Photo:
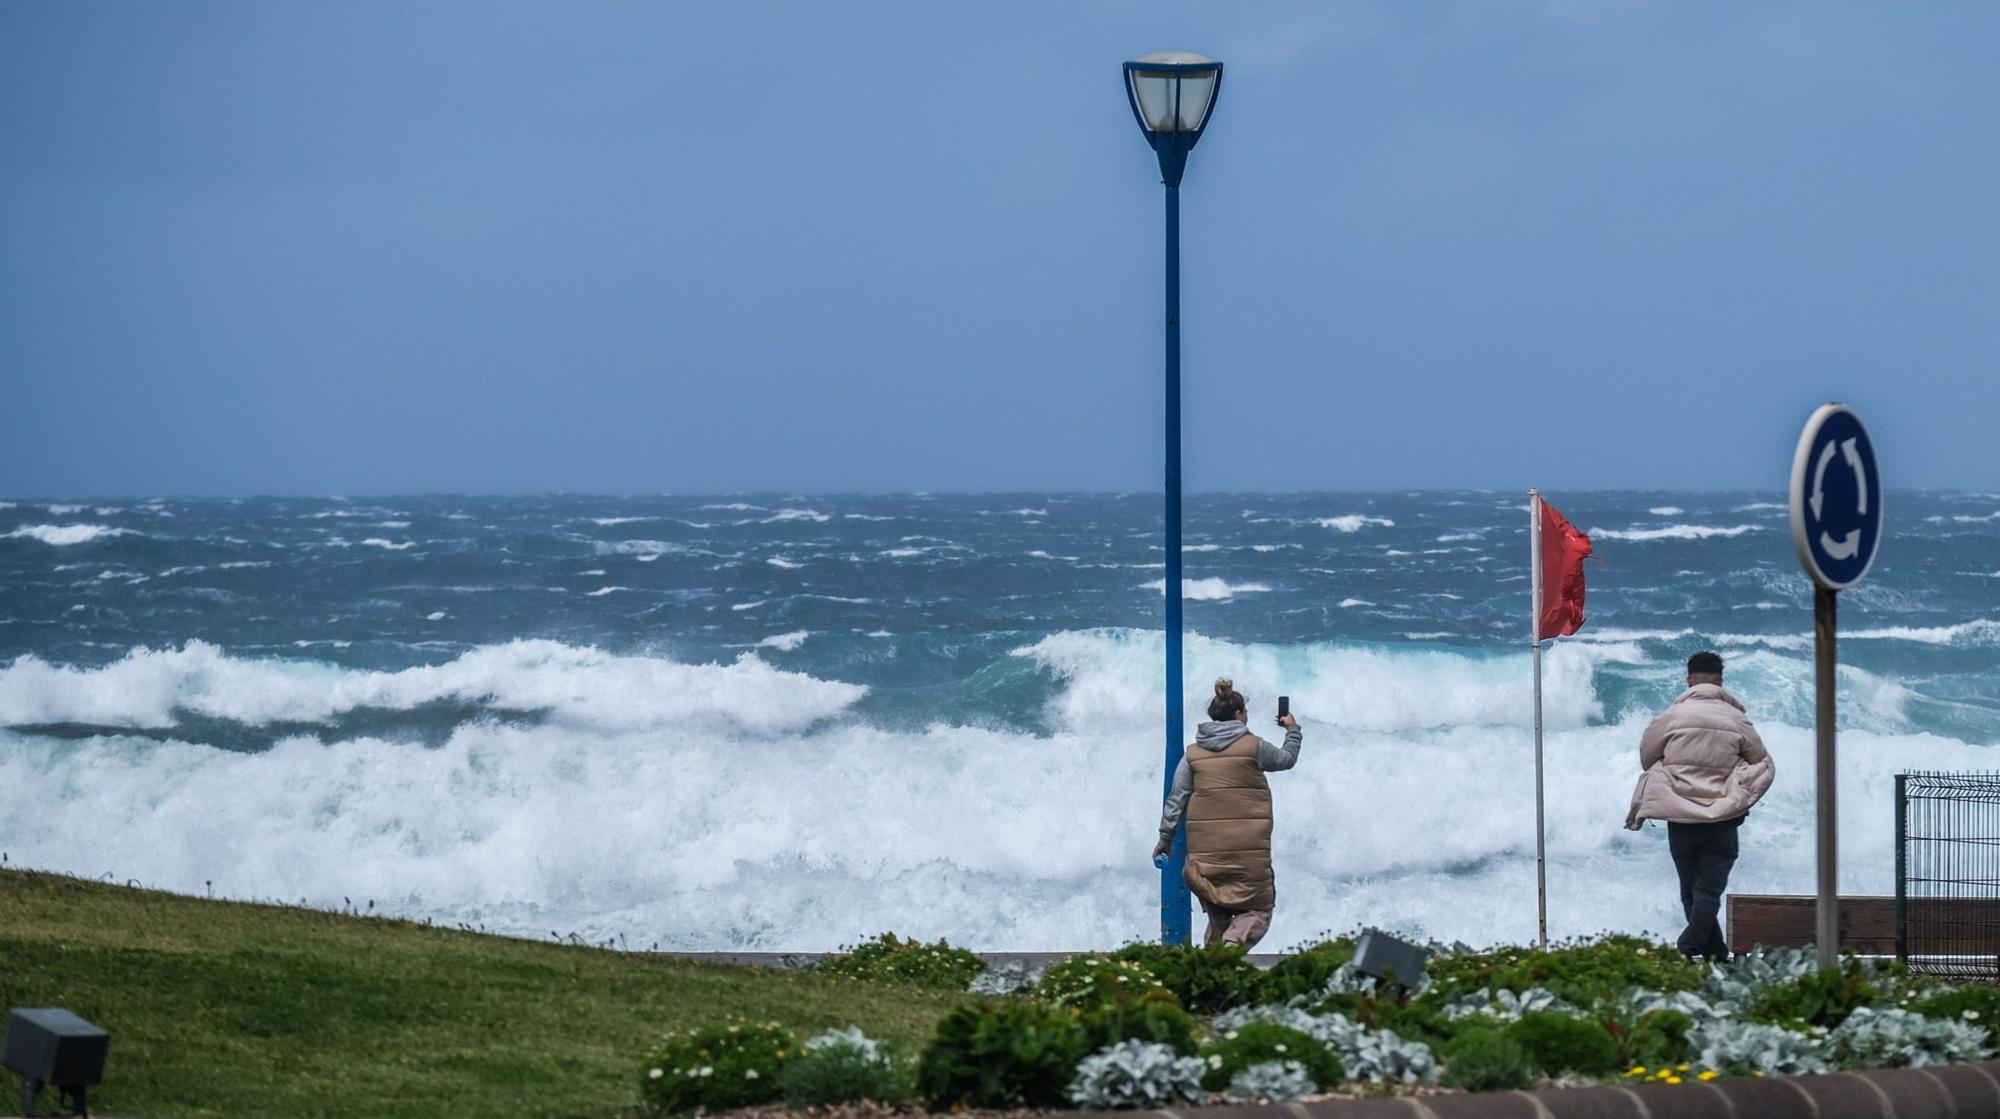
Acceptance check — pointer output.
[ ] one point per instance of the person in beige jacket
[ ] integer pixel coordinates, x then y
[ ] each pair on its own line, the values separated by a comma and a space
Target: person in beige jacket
1704, 767
1219, 789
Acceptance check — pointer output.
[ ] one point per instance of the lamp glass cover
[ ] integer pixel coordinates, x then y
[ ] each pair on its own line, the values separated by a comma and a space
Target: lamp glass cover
1154, 91
1196, 90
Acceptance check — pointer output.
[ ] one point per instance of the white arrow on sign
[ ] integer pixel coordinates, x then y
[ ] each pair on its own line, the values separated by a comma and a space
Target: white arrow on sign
1847, 546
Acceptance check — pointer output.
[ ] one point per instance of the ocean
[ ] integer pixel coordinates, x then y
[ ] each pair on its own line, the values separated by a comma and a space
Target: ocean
790, 723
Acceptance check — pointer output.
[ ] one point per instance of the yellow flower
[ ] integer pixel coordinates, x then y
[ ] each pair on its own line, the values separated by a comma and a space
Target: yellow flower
1673, 1080
1637, 1070
1708, 1074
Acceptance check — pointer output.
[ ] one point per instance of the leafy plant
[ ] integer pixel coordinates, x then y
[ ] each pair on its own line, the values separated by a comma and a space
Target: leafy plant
1155, 1017
1508, 1004
1579, 972
1975, 1003
1271, 1082
1898, 1038
1750, 1048
1002, 1055
1090, 979
1136, 1074
1657, 1038
717, 1068
1557, 1043
1818, 998
845, 1066
1305, 973
1253, 1043
1010, 977
1416, 1021
1487, 1060
1208, 980
1377, 1056
892, 959
1736, 981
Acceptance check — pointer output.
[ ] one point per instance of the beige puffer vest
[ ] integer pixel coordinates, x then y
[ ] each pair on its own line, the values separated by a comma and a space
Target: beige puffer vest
1229, 828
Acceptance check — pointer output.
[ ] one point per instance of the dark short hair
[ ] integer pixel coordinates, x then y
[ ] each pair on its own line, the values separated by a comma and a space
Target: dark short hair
1705, 663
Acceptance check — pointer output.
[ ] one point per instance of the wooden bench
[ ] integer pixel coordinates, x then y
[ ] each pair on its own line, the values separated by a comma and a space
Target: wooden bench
1867, 924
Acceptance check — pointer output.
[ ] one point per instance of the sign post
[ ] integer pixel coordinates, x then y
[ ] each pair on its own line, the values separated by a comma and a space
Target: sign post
1836, 503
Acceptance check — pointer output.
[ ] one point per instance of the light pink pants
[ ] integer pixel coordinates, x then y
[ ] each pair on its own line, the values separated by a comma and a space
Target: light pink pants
1237, 926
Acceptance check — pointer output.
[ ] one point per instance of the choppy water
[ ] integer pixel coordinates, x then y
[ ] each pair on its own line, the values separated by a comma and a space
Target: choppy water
792, 722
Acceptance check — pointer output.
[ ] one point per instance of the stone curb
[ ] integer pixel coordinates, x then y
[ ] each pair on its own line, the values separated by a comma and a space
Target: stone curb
1946, 1092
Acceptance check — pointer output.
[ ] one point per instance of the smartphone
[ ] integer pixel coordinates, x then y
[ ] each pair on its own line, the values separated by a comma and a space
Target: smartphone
1284, 706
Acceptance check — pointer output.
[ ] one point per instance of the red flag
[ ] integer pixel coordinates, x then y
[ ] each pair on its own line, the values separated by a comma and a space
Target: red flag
1564, 548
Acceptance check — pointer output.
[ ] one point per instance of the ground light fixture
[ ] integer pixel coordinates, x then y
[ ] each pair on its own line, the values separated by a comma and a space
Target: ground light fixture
53, 1048
1172, 95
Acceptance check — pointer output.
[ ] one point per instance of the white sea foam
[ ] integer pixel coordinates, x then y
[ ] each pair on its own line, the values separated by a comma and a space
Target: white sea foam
1666, 510
757, 772
1672, 532
782, 515
640, 548
602, 591
1207, 590
748, 605
780, 561
608, 521
1353, 522
64, 510
581, 687
63, 535
864, 517
1350, 603
1458, 537
738, 507
388, 545
435, 616
785, 642
1987, 518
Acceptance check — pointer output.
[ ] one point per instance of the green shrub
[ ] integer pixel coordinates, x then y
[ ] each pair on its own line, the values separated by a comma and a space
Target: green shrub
1557, 1043
1090, 979
1155, 1016
1580, 972
717, 1068
1208, 980
1658, 1038
1306, 971
1821, 998
1413, 1021
1001, 1055
1487, 1060
1974, 1002
843, 1066
891, 959
1255, 1043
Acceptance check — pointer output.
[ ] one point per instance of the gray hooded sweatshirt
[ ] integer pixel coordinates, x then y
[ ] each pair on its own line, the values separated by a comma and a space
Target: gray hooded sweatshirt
1218, 736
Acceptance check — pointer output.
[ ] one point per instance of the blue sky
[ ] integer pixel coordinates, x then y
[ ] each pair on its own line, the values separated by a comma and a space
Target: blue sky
616, 247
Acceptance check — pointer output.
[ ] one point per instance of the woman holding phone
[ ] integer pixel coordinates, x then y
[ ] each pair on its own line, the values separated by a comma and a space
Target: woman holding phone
1220, 789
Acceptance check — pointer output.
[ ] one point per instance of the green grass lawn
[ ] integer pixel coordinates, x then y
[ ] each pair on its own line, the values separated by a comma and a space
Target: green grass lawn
220, 1008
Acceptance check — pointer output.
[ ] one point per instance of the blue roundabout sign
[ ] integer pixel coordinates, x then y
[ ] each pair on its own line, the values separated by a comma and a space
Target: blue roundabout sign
1836, 498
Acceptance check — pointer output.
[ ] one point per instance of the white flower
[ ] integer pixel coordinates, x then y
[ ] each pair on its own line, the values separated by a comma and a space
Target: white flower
1231, 1035
749, 1074
1280, 1047
705, 1070
1971, 1016
1215, 1060
656, 1073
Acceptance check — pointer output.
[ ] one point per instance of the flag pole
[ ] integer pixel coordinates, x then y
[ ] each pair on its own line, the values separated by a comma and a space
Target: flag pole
1535, 639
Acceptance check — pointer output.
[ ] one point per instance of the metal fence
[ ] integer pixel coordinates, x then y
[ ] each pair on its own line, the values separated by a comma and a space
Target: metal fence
1948, 873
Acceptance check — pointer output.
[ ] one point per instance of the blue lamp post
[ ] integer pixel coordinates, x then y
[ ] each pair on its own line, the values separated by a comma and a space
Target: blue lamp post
1172, 94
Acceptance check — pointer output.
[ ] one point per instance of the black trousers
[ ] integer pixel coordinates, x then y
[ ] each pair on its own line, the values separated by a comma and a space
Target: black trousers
1703, 854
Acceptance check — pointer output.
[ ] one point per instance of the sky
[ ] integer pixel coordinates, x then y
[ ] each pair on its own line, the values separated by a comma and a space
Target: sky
389, 248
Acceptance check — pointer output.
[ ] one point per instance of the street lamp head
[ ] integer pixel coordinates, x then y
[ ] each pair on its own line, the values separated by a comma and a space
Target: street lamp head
1172, 95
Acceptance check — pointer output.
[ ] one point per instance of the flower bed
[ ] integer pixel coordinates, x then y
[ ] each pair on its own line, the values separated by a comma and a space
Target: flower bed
1110, 1031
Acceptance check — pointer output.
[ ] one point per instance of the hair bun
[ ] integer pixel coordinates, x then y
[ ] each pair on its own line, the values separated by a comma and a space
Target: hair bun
1223, 687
